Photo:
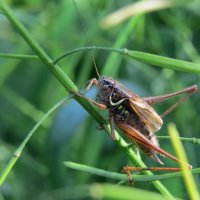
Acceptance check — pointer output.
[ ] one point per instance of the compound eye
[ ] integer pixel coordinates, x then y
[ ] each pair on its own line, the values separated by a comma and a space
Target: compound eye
105, 82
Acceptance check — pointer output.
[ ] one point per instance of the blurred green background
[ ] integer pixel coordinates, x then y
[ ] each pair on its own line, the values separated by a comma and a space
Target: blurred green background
28, 90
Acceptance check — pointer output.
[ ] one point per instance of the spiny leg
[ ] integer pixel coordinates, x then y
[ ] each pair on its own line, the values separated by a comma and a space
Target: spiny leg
99, 105
170, 109
112, 125
140, 139
156, 99
128, 169
89, 84
128, 172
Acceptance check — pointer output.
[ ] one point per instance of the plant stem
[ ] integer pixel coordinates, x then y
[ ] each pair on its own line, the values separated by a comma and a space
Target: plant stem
165, 62
193, 140
124, 177
18, 56
122, 51
159, 61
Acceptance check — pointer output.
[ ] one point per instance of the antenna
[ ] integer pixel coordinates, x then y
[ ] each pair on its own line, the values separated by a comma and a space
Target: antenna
83, 28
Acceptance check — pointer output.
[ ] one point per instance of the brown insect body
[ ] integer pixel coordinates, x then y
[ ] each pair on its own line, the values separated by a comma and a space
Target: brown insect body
135, 117
121, 103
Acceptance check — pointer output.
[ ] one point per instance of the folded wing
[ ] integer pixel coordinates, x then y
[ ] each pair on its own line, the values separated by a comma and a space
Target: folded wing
146, 114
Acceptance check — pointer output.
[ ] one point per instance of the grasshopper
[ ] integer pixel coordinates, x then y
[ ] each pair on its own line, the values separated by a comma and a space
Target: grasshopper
135, 117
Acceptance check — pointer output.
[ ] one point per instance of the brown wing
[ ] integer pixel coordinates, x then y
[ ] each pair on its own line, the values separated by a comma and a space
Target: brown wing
146, 113
142, 141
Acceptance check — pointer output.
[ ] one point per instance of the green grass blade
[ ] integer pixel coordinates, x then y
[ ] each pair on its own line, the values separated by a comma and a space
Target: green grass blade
164, 62
127, 193
18, 56
187, 175
19, 150
124, 177
101, 191
159, 61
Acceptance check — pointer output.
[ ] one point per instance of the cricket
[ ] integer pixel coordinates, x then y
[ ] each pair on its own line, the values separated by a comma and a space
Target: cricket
134, 116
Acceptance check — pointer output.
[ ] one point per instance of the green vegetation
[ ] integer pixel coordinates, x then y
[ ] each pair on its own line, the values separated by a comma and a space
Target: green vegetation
33, 35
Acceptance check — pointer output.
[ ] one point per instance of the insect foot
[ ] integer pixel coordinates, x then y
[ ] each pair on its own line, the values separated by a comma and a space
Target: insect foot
127, 171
